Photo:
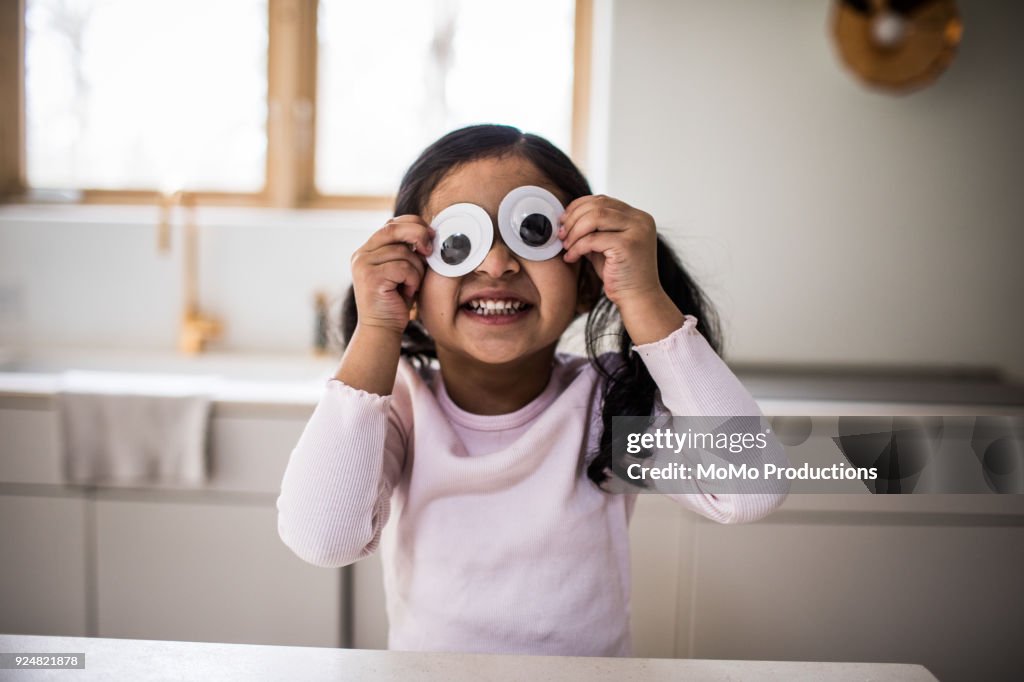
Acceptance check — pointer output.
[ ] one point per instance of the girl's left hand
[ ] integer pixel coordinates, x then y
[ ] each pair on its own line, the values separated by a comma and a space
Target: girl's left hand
618, 240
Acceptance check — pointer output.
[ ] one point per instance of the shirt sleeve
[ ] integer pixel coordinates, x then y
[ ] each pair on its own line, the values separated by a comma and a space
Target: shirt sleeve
693, 380
336, 492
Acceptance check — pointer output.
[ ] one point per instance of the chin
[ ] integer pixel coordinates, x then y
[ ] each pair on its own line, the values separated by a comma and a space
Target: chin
497, 356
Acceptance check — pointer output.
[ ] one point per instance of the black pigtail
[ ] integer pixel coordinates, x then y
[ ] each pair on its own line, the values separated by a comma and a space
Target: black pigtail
629, 388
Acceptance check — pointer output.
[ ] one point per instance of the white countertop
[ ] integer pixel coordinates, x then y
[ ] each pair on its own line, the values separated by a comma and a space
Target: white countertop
306, 392
245, 378
140, 660
249, 378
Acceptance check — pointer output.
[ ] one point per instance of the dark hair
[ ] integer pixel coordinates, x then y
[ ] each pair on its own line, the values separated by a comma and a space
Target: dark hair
629, 388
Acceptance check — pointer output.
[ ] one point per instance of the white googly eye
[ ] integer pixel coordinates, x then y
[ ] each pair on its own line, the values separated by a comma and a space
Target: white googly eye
528, 221
464, 237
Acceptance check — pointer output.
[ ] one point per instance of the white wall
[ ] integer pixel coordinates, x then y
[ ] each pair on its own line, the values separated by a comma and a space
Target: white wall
92, 276
828, 222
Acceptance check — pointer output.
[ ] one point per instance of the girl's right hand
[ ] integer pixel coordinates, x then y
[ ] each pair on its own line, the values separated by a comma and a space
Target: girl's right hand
387, 271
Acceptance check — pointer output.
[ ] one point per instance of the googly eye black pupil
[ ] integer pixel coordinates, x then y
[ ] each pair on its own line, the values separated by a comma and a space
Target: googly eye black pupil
535, 230
455, 249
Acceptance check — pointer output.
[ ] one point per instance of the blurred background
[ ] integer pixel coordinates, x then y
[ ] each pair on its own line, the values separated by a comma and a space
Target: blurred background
830, 221
184, 181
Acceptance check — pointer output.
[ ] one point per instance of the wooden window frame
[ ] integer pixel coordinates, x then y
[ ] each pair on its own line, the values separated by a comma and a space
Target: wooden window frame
290, 175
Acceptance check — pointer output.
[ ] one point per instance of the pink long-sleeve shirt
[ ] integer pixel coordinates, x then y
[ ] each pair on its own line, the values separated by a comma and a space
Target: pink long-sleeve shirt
497, 541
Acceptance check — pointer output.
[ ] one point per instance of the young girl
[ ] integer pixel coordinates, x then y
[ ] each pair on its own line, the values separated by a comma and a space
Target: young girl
485, 447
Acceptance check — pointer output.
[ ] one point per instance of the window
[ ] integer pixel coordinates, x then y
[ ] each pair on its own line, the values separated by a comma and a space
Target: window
276, 102
440, 64
122, 94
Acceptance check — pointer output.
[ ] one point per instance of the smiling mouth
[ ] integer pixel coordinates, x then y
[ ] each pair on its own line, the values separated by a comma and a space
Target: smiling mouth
496, 308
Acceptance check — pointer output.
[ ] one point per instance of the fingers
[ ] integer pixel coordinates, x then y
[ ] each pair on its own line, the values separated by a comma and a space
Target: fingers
392, 252
406, 229
403, 276
582, 204
387, 273
389, 261
594, 242
591, 218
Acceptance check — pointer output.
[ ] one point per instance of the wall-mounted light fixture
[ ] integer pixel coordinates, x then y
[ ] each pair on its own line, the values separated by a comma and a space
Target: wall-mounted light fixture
897, 45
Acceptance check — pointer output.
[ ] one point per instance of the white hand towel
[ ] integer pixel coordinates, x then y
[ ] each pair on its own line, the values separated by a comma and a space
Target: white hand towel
135, 428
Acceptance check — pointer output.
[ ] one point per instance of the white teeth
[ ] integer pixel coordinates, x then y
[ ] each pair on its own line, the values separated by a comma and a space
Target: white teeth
495, 307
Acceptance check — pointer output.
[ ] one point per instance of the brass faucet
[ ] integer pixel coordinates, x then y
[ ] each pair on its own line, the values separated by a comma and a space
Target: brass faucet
196, 329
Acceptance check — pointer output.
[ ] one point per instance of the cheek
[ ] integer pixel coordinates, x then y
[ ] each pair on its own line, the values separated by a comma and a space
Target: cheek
437, 297
557, 283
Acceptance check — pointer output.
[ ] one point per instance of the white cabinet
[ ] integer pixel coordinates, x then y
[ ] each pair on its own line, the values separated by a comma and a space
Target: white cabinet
43, 586
179, 570
935, 590
661, 573
369, 610
199, 564
29, 446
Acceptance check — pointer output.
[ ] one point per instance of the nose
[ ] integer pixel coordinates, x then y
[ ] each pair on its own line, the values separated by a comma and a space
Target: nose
500, 260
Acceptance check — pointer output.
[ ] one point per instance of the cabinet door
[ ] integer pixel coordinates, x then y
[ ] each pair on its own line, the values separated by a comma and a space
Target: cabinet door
208, 572
947, 597
369, 609
657, 532
43, 578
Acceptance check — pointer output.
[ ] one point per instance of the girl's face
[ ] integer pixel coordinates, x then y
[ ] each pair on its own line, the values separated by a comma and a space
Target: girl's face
547, 287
